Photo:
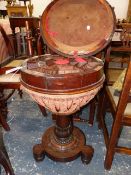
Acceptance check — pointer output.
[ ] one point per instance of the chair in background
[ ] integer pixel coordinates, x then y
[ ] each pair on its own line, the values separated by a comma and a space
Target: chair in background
6, 55
118, 53
12, 80
6, 81
9, 81
120, 107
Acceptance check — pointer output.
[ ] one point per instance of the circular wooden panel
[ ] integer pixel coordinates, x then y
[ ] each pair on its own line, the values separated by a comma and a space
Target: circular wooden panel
82, 27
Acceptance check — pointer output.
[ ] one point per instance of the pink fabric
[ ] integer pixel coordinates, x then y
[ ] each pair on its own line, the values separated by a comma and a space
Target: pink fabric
79, 59
62, 61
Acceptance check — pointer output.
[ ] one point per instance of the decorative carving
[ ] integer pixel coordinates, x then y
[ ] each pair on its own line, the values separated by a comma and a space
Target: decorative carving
63, 104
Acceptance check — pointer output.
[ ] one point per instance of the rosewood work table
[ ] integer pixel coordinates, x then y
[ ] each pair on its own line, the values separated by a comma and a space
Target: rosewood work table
63, 83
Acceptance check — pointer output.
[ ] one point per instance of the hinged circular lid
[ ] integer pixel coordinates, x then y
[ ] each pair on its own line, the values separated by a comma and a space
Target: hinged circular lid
77, 27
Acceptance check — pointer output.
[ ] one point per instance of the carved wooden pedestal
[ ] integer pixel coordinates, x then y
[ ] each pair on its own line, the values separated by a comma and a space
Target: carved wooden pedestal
63, 142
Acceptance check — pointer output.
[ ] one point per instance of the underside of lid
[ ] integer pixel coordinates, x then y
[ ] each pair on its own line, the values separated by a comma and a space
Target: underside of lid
77, 27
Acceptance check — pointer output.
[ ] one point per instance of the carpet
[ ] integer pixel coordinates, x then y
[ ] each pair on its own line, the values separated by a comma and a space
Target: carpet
27, 126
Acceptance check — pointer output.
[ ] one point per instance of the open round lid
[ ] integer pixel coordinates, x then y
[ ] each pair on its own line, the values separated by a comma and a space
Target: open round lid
77, 27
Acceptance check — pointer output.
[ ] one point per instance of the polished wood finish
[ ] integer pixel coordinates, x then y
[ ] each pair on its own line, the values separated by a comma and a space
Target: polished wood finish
64, 84
119, 118
63, 143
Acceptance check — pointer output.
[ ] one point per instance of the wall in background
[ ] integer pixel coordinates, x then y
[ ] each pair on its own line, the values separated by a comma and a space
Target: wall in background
120, 6
39, 6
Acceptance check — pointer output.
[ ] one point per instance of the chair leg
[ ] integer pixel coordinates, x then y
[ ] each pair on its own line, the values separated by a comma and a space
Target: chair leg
5, 163
92, 111
4, 123
112, 144
102, 105
8, 96
3, 112
77, 118
100, 109
92, 108
43, 110
20, 93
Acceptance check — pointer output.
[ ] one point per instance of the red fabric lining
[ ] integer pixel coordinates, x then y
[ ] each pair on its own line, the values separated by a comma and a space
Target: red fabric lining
62, 61
79, 59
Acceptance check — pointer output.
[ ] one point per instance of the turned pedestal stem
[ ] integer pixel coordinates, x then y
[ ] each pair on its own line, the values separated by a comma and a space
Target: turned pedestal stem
63, 129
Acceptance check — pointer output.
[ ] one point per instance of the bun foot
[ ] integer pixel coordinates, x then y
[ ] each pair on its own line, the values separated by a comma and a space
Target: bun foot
38, 152
87, 154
